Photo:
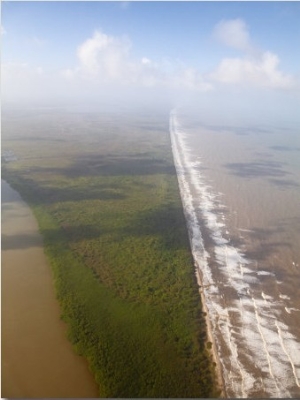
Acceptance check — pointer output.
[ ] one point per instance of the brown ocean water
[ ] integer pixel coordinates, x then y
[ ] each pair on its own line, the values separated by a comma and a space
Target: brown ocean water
244, 183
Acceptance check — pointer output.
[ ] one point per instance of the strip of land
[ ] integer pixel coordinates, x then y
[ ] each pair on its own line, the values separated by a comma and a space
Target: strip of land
105, 195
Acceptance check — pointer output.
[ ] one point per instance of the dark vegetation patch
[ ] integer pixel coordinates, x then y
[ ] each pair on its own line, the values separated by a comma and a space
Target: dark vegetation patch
107, 201
116, 165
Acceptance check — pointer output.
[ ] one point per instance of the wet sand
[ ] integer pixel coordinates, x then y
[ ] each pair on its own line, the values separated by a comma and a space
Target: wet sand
37, 359
196, 241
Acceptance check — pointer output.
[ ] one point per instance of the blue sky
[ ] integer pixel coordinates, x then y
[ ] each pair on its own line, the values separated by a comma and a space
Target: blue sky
173, 49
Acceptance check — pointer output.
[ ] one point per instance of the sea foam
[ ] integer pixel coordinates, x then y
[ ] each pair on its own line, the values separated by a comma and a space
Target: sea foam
257, 353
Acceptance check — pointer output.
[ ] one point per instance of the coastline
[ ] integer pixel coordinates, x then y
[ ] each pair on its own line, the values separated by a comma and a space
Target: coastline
193, 234
247, 301
214, 351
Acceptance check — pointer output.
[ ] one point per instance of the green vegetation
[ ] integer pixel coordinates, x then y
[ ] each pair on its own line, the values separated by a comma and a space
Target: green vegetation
105, 193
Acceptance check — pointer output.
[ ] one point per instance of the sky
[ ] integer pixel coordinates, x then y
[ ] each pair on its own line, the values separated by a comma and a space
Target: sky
221, 56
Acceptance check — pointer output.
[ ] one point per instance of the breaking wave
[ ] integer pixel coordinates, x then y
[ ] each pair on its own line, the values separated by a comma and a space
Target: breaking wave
258, 355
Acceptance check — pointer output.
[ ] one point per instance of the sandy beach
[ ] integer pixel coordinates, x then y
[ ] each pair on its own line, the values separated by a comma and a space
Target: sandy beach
210, 336
196, 243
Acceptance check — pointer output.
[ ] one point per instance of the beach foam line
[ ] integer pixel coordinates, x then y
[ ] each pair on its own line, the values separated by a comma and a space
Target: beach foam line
287, 354
259, 346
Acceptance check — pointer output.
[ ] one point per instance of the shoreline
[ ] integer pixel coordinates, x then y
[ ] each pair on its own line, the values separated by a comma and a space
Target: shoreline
248, 315
189, 214
214, 351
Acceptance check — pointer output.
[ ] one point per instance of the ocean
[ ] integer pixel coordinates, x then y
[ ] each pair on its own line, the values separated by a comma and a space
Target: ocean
240, 188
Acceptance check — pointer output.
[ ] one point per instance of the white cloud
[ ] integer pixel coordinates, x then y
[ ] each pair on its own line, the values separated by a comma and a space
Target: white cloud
146, 60
104, 55
104, 58
3, 30
233, 33
106, 66
262, 71
256, 67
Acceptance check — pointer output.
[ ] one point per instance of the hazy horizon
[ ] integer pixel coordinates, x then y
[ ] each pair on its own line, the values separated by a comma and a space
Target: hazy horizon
228, 60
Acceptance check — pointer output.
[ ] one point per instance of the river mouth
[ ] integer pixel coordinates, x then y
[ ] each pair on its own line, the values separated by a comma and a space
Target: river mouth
37, 359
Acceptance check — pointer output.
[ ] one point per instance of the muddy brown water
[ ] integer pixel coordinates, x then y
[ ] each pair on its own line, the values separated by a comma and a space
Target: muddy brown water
37, 359
251, 184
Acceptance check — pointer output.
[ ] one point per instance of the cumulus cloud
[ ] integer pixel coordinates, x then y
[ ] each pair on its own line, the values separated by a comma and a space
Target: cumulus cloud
104, 58
233, 33
146, 60
106, 66
262, 71
104, 55
255, 67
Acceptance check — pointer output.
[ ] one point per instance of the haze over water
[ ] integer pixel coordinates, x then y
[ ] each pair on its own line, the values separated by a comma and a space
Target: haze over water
241, 192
